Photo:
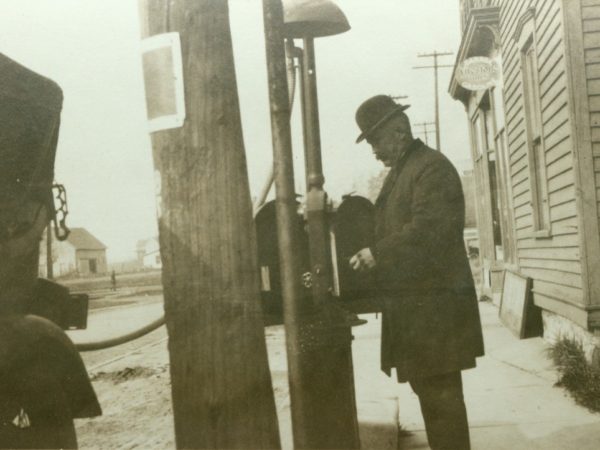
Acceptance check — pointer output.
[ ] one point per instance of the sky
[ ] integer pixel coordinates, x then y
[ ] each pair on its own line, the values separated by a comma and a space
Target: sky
91, 49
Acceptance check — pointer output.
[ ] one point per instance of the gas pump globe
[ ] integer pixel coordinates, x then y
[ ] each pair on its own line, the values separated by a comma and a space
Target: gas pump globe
313, 18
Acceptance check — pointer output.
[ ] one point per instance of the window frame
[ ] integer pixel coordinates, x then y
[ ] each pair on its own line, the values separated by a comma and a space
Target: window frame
536, 149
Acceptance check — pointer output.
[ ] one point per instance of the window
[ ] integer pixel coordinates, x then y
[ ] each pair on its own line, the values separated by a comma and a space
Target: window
537, 162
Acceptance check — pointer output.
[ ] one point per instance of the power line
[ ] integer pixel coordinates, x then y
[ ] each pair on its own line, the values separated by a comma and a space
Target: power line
435, 68
425, 131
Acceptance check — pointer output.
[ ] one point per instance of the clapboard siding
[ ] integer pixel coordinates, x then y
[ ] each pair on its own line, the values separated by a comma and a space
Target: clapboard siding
552, 262
591, 42
560, 241
556, 292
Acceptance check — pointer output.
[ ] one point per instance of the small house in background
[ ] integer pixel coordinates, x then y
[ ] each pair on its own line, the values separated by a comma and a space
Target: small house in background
148, 253
80, 254
535, 145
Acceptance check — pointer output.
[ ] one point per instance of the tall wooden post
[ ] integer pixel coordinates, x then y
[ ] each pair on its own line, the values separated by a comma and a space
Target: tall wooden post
221, 384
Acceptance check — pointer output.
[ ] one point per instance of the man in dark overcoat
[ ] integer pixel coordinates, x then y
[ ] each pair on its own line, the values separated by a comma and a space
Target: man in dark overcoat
431, 329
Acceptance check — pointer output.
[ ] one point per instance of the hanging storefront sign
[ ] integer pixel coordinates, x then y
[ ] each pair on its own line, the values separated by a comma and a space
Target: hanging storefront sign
163, 81
478, 73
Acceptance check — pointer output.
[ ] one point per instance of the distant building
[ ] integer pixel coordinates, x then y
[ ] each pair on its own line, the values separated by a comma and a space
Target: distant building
148, 253
468, 185
81, 253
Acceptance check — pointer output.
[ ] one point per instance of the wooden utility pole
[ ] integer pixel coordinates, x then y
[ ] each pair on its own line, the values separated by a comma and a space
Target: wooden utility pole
435, 68
221, 383
425, 131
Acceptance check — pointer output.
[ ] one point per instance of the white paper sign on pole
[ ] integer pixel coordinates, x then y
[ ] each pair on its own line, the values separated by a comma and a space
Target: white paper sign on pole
163, 81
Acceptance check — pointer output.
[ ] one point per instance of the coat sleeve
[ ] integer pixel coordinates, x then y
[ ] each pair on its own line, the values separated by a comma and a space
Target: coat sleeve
437, 210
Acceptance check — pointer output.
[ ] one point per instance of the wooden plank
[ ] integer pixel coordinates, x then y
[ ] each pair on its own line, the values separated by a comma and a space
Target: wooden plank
595, 134
590, 25
556, 116
519, 177
558, 150
512, 54
591, 39
518, 161
559, 254
559, 240
559, 174
573, 267
524, 223
509, 25
555, 103
554, 276
551, 88
590, 2
563, 306
566, 210
593, 86
568, 294
518, 138
559, 164
512, 96
562, 196
523, 209
522, 198
591, 55
549, 44
594, 103
595, 118
559, 131
596, 149
515, 118
555, 62
556, 139
592, 72
568, 226
517, 150
590, 12
545, 16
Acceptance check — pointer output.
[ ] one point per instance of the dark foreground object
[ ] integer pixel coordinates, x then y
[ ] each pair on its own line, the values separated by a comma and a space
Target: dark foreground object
43, 385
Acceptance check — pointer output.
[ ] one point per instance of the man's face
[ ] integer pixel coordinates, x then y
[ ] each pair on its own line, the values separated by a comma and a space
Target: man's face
389, 142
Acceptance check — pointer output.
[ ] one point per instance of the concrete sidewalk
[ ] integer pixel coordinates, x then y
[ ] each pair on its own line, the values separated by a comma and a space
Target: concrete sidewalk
511, 399
376, 394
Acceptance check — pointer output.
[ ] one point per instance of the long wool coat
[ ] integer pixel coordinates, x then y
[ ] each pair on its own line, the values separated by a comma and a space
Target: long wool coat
431, 321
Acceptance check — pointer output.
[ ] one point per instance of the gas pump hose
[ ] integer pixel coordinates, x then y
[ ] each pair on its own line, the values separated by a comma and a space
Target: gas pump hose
123, 339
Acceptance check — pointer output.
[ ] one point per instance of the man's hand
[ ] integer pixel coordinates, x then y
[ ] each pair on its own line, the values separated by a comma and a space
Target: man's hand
363, 260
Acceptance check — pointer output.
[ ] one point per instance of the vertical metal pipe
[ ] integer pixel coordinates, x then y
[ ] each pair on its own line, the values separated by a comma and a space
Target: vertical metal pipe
316, 198
314, 176
437, 104
49, 265
286, 221
327, 336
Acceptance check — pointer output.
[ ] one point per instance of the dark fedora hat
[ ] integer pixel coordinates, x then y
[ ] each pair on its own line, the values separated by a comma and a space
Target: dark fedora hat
374, 112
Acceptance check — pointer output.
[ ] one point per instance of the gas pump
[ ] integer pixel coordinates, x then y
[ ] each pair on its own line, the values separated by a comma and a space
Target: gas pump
352, 228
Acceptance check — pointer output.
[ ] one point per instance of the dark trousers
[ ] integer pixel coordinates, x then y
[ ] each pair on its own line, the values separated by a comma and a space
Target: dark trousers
443, 409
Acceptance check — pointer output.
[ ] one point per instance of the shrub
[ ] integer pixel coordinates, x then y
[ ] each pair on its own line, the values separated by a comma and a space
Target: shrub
577, 376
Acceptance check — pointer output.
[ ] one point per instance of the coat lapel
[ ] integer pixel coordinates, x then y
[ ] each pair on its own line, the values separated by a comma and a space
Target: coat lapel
392, 176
